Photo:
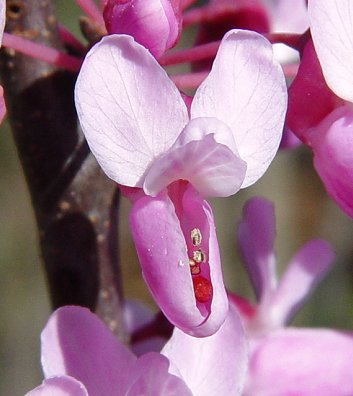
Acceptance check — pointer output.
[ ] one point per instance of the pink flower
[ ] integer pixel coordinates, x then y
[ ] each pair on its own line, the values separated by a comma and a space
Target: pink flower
320, 100
80, 356
155, 24
288, 361
139, 128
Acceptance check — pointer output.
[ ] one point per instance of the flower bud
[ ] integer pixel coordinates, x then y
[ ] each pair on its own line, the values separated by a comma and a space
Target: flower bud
155, 24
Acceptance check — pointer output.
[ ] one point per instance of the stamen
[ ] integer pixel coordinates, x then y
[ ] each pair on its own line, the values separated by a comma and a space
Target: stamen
202, 288
199, 256
194, 267
196, 237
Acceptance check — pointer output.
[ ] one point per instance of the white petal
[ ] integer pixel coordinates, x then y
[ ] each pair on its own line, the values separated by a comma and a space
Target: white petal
129, 109
246, 90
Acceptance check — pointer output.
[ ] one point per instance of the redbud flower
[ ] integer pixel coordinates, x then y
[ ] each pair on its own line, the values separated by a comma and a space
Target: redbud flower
81, 357
288, 360
139, 128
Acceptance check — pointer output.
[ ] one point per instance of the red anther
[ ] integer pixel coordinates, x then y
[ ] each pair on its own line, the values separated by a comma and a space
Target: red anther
202, 288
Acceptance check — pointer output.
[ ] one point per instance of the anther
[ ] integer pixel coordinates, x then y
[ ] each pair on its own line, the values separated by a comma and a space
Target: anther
198, 256
196, 237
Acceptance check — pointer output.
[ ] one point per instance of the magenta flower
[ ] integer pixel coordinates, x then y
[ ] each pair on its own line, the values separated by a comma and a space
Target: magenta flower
325, 78
80, 356
138, 127
155, 24
288, 361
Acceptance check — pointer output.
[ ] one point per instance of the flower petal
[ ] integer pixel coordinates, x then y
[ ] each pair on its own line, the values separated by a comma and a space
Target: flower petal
59, 386
2, 18
288, 16
303, 273
204, 154
214, 365
246, 90
2, 104
129, 109
153, 24
331, 26
76, 343
162, 250
302, 362
150, 377
332, 144
255, 235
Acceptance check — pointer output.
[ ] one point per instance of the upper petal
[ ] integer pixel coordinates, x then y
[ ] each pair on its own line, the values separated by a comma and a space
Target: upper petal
214, 365
129, 109
255, 234
204, 154
163, 254
331, 26
302, 362
246, 90
76, 343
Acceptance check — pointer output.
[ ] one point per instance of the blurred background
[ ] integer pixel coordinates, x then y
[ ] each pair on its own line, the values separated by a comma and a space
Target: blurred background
303, 211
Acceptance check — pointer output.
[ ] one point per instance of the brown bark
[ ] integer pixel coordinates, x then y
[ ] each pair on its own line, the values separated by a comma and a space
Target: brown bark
74, 202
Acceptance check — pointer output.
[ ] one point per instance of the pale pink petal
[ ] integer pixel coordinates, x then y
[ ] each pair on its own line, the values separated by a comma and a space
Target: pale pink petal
302, 362
303, 273
76, 343
204, 154
163, 254
246, 90
154, 23
255, 235
214, 365
129, 109
332, 144
331, 25
150, 377
288, 16
59, 386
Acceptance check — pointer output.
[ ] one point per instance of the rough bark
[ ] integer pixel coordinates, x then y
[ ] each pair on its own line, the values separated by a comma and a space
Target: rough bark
74, 203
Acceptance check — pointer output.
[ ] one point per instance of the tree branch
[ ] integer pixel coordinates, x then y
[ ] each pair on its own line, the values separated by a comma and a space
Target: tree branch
74, 202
